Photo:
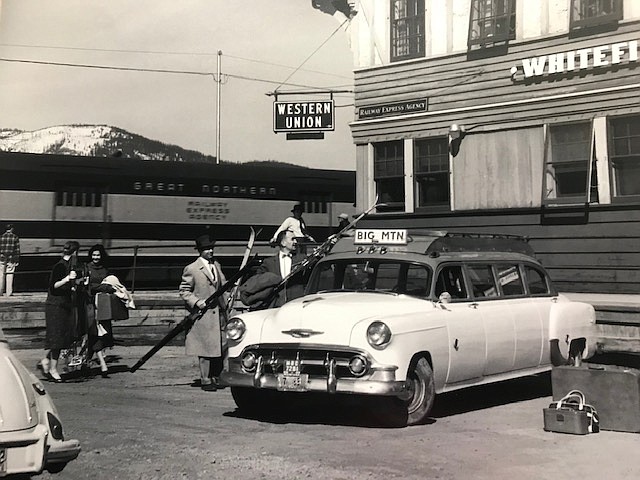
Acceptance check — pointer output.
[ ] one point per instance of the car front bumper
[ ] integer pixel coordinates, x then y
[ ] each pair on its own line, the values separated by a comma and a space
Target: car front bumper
381, 382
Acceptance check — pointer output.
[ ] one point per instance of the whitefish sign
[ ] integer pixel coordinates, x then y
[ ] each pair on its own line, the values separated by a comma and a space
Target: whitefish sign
308, 116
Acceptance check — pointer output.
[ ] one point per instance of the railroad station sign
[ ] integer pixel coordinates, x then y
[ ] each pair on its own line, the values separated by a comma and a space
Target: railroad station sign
307, 116
398, 108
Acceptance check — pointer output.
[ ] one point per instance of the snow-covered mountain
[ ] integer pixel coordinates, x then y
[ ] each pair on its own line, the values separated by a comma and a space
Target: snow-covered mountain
95, 141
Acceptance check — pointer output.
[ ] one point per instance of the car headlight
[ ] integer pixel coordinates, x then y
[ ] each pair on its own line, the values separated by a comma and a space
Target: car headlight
378, 335
235, 329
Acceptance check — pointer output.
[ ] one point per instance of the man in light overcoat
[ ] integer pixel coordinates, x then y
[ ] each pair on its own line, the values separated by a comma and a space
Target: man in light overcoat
206, 339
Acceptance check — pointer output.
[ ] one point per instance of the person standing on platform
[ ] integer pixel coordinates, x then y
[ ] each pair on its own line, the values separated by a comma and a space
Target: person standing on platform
297, 225
9, 259
206, 338
100, 334
61, 310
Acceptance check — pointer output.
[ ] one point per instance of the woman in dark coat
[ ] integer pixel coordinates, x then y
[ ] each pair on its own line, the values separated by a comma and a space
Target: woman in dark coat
100, 333
61, 309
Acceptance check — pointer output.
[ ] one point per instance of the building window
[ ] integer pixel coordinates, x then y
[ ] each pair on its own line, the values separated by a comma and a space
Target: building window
388, 173
589, 13
431, 171
492, 21
407, 29
568, 161
625, 154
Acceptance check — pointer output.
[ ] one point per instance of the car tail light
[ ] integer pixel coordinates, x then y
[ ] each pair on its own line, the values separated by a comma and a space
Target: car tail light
55, 426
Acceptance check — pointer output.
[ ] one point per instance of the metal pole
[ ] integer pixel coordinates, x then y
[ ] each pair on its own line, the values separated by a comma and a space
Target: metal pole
219, 83
135, 263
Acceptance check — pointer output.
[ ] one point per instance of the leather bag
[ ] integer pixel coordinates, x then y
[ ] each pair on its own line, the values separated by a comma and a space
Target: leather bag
571, 414
110, 307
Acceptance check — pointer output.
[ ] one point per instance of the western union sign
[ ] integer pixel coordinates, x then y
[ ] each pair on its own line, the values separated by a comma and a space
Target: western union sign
310, 116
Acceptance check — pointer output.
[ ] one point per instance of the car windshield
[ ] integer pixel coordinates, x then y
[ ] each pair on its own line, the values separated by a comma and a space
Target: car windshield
371, 275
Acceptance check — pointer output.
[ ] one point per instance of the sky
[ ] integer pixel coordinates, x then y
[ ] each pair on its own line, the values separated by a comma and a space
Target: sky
263, 43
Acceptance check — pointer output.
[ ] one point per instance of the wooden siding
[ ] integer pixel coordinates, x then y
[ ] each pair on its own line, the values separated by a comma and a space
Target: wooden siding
460, 88
585, 250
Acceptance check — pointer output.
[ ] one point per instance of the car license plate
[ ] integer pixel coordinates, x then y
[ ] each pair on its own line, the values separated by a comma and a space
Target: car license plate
291, 380
3, 461
292, 383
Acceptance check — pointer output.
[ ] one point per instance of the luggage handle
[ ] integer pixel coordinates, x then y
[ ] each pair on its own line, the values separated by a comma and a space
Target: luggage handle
572, 394
596, 367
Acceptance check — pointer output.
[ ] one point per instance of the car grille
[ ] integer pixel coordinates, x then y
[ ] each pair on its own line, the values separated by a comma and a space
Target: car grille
313, 361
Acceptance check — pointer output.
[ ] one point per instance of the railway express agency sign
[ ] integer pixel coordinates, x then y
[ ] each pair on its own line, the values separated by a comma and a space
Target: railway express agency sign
308, 116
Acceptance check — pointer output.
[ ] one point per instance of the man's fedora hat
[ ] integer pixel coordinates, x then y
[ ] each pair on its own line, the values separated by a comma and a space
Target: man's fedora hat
203, 242
343, 216
298, 207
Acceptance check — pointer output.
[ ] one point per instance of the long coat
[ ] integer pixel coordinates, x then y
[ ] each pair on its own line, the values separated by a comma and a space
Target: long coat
205, 338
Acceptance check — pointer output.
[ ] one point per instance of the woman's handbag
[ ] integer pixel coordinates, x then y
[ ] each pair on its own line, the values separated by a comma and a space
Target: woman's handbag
110, 307
571, 414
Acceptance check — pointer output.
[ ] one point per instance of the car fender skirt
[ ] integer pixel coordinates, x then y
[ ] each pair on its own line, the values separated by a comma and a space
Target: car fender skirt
557, 358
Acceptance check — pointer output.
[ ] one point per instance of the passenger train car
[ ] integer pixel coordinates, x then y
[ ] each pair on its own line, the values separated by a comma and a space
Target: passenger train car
147, 213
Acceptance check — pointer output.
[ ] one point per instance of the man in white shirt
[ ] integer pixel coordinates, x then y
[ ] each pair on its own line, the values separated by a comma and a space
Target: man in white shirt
296, 225
282, 263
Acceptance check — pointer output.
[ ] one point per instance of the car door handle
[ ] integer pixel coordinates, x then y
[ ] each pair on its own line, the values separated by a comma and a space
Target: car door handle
473, 305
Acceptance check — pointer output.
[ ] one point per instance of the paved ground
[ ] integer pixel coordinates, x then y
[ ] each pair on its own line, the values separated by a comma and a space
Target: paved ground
153, 425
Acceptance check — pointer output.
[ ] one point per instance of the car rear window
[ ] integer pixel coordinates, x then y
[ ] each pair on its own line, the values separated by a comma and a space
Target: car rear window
510, 280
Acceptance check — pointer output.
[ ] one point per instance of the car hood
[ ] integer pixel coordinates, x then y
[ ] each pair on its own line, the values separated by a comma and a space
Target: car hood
329, 318
18, 410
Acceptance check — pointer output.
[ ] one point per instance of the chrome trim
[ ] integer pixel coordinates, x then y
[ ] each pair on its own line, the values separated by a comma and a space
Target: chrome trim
301, 332
358, 386
258, 373
332, 381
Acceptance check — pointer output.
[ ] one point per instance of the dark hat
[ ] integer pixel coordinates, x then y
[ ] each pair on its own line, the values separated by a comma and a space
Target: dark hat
298, 207
204, 242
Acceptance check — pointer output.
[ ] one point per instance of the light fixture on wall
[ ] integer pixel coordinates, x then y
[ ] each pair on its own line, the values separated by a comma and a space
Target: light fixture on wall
456, 134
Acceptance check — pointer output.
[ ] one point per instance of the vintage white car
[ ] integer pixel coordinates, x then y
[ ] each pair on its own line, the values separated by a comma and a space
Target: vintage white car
31, 437
404, 315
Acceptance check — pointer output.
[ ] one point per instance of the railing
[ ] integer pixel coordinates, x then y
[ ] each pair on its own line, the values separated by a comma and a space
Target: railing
157, 267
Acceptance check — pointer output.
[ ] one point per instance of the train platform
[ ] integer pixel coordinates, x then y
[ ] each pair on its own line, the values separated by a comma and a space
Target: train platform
157, 312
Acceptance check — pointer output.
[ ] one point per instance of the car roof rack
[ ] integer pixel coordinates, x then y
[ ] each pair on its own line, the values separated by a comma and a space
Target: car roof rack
477, 242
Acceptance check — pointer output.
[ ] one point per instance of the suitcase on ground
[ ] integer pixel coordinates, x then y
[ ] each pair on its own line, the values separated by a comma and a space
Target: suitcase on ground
614, 391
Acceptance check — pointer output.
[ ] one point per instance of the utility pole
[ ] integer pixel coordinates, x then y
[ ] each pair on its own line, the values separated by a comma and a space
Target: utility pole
219, 83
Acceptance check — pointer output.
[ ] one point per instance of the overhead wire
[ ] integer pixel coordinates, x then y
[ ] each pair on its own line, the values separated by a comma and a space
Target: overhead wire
167, 52
313, 53
153, 70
